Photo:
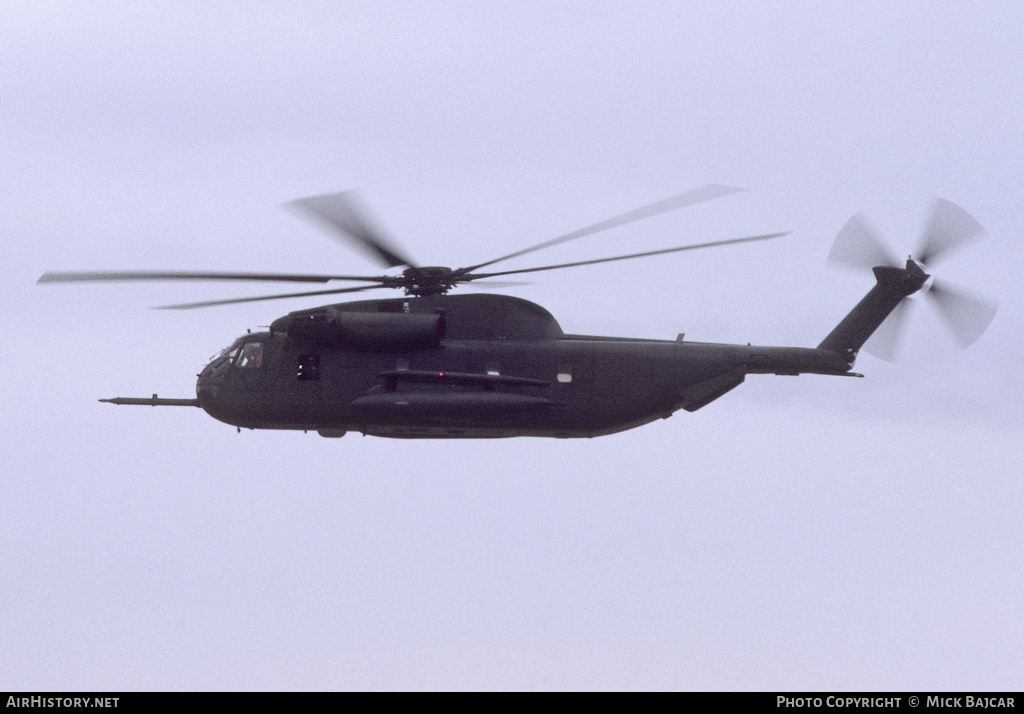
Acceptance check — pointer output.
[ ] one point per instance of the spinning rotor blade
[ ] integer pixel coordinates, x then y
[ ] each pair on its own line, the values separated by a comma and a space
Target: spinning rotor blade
858, 246
260, 298
344, 215
966, 316
688, 198
948, 228
886, 341
142, 275
695, 246
499, 284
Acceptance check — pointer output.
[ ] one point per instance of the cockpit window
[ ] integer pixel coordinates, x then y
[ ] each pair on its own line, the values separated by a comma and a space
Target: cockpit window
230, 351
251, 355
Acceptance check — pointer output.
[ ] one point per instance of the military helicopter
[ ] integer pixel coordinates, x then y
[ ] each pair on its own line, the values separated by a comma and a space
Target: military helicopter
434, 365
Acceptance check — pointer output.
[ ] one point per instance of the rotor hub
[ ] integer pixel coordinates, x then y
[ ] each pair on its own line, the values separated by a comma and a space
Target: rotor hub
433, 280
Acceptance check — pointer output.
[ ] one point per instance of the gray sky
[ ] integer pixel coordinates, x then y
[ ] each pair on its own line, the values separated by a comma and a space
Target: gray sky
808, 533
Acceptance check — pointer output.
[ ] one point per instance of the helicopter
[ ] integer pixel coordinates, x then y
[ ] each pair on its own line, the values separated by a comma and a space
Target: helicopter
434, 365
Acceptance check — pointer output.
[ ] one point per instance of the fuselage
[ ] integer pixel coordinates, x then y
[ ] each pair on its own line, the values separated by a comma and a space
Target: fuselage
502, 368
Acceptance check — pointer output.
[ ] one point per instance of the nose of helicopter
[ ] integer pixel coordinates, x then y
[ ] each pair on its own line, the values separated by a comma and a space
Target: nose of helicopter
209, 384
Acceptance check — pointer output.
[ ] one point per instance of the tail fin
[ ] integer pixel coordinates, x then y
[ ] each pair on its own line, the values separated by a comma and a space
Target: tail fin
894, 284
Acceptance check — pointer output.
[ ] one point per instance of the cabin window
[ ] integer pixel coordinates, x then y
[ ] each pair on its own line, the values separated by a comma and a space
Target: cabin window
251, 355
309, 368
564, 375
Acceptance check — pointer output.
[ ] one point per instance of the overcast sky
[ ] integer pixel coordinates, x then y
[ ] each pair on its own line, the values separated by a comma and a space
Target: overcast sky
811, 533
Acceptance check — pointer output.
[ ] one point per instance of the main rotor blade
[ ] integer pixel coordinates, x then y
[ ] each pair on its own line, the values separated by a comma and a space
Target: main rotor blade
885, 342
966, 316
140, 275
688, 198
858, 246
260, 298
948, 228
695, 246
499, 284
346, 217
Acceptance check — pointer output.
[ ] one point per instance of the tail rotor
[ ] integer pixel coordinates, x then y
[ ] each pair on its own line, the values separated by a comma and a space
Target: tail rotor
965, 315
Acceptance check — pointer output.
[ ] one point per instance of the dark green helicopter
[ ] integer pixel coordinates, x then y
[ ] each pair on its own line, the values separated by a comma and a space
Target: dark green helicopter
434, 365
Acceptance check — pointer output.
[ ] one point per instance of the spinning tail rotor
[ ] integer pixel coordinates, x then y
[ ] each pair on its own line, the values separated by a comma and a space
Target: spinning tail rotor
948, 229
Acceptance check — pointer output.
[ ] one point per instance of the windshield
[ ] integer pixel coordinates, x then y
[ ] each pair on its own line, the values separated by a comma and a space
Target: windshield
230, 351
